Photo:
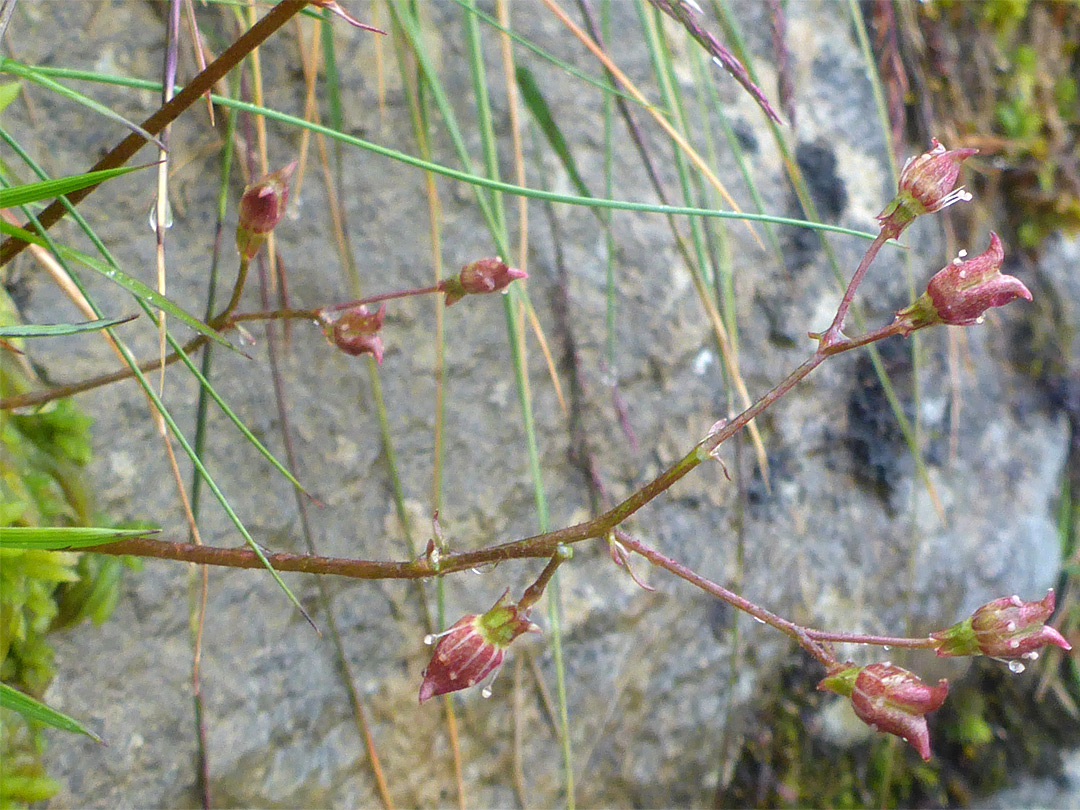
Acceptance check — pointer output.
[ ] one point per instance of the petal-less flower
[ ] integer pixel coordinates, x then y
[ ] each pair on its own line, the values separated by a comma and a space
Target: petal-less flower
356, 330
480, 277
926, 186
473, 648
890, 699
1008, 628
961, 292
262, 206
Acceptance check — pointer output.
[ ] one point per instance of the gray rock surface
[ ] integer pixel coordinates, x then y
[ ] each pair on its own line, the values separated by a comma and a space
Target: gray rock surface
847, 536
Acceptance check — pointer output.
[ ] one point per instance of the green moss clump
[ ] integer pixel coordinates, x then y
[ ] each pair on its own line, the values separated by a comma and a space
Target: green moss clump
42, 460
1002, 74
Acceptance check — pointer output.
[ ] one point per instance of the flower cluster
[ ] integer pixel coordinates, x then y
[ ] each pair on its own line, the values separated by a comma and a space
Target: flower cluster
893, 700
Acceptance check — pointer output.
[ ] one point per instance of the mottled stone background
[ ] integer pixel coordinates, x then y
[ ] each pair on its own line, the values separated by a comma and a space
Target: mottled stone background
846, 537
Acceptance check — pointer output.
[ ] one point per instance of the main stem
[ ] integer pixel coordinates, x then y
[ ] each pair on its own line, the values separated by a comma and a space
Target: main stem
540, 545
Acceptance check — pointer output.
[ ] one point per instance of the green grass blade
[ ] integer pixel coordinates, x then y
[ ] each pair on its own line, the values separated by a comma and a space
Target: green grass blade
411, 30
141, 292
148, 389
57, 329
607, 88
11, 698
517, 350
9, 91
534, 100
729, 23
64, 537
33, 75
32, 192
236, 420
467, 177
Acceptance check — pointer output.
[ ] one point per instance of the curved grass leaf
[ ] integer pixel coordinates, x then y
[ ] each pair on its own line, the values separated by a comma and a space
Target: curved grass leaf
64, 537
156, 400
129, 283
534, 100
12, 698
9, 91
466, 177
33, 75
32, 192
31, 330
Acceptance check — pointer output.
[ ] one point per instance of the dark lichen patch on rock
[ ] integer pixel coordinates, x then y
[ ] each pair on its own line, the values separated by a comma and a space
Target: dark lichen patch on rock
873, 439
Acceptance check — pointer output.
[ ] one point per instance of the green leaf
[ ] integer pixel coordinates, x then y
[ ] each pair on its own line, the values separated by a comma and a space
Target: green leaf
56, 329
53, 537
46, 190
129, 283
11, 698
8, 93
534, 100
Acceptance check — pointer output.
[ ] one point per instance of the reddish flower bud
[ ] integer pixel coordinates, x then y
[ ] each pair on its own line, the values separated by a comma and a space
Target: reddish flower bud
961, 292
355, 331
262, 206
926, 186
473, 648
1008, 628
890, 699
479, 277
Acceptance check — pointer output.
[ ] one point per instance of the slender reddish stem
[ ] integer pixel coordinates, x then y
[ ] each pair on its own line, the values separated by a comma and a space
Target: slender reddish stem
834, 334
918, 643
800, 634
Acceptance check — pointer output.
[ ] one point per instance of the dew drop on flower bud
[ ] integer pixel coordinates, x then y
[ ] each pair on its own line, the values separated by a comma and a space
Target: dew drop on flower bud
1016, 667
1031, 656
429, 639
886, 647
485, 692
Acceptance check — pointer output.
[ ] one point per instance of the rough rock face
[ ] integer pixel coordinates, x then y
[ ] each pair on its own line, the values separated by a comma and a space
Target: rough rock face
844, 536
